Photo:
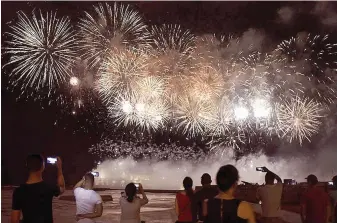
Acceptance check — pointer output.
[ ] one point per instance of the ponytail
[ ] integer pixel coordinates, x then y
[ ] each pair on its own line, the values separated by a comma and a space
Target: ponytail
130, 199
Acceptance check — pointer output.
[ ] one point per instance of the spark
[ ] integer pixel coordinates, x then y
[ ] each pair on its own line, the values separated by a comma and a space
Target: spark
74, 81
42, 50
110, 28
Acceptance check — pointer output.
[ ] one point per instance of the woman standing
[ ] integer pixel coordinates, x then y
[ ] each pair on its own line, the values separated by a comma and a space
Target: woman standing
183, 202
130, 203
224, 208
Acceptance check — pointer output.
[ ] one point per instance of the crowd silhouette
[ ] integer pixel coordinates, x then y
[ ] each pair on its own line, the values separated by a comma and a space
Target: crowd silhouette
210, 204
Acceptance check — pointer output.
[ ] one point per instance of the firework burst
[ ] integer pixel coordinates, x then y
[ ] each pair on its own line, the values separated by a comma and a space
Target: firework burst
231, 139
42, 49
173, 46
192, 116
119, 73
110, 28
299, 118
315, 59
206, 83
130, 110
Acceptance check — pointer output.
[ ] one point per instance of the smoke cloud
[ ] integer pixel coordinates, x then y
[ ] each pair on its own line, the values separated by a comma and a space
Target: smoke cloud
169, 175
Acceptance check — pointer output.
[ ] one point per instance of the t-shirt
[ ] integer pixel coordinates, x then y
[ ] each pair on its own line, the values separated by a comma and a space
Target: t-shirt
316, 201
131, 210
184, 205
35, 201
270, 196
86, 200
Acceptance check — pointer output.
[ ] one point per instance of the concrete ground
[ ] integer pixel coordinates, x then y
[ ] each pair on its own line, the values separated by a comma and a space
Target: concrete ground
160, 209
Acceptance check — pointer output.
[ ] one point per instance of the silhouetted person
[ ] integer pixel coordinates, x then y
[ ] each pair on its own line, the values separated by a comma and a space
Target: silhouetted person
333, 198
315, 205
88, 202
34, 198
224, 208
270, 195
131, 204
206, 192
184, 201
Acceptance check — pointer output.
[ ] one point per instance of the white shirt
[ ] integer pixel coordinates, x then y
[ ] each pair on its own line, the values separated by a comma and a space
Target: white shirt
270, 196
86, 201
131, 210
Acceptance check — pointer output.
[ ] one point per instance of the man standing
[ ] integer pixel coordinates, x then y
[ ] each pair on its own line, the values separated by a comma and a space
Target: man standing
34, 198
207, 192
88, 202
315, 206
270, 195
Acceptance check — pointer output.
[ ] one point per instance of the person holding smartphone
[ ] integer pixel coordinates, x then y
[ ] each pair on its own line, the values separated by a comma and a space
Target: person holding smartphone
131, 204
88, 202
270, 195
34, 198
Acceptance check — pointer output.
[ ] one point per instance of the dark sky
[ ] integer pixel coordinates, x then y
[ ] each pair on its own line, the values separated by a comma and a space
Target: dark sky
28, 126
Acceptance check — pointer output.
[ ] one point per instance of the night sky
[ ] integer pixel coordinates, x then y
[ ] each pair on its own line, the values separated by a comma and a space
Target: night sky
29, 126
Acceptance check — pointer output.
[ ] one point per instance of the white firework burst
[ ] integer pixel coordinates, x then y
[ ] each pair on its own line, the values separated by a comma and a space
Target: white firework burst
130, 110
111, 28
192, 116
119, 73
299, 118
42, 51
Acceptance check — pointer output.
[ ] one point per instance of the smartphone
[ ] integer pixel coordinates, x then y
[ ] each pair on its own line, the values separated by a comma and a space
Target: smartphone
96, 174
259, 169
137, 186
51, 160
330, 183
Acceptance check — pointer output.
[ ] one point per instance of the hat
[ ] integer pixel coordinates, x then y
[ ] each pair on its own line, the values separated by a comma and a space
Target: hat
206, 179
312, 179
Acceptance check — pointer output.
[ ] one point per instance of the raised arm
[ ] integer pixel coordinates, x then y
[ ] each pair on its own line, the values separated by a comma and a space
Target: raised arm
79, 183
60, 178
279, 180
144, 200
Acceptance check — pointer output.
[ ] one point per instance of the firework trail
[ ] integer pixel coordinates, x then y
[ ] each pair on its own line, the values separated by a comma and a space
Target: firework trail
299, 118
110, 28
42, 50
